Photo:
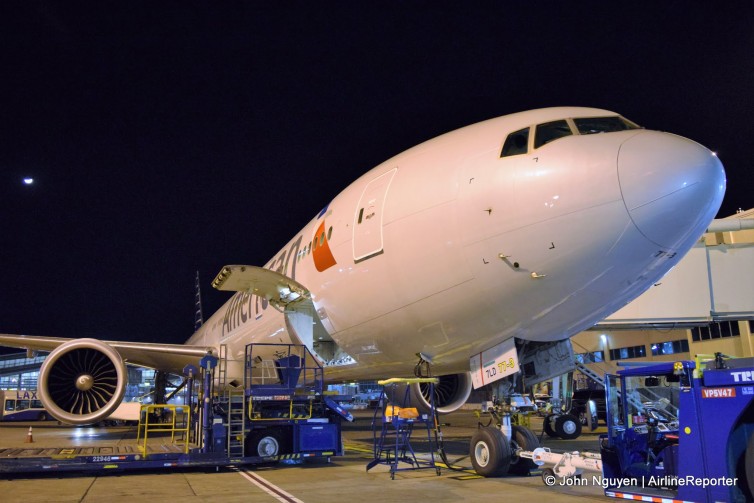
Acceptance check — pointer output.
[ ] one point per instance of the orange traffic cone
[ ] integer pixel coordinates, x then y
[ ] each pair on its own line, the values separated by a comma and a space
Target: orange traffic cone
29, 437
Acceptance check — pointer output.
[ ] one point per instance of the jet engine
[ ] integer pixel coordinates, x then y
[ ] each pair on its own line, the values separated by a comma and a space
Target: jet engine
82, 381
451, 393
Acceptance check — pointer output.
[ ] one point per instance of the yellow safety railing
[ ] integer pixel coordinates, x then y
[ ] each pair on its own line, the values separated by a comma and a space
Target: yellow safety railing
702, 358
175, 419
256, 416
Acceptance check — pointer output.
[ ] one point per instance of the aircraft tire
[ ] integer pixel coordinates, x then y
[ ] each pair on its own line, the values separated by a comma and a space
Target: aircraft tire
567, 427
490, 452
548, 427
750, 467
522, 438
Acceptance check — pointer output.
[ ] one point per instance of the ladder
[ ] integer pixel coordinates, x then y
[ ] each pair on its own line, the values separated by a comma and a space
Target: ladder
234, 402
222, 367
236, 407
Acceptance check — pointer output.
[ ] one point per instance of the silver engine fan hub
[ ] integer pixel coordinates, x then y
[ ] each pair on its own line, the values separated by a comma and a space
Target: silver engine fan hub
84, 382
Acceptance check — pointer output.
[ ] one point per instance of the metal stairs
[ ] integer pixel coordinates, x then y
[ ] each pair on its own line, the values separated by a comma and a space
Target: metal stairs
594, 376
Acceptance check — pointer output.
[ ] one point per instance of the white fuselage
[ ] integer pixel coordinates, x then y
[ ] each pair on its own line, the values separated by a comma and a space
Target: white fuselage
450, 248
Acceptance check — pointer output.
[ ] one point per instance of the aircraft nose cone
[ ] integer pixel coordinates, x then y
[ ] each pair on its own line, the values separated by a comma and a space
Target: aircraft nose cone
672, 186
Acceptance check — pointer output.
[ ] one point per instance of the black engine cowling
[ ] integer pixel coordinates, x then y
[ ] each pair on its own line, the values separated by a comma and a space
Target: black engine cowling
451, 393
82, 381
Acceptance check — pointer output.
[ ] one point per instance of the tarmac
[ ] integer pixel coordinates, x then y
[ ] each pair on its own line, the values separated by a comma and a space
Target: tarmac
344, 479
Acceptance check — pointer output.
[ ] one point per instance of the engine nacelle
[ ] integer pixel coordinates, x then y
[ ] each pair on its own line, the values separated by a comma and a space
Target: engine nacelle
451, 393
82, 381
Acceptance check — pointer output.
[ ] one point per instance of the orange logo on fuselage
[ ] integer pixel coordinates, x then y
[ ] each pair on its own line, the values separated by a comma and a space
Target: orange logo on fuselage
323, 258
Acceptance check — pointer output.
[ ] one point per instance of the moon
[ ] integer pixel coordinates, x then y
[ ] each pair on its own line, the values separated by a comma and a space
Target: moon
28, 180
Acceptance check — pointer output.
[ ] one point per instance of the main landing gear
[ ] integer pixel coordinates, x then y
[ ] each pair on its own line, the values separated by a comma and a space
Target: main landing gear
494, 450
494, 454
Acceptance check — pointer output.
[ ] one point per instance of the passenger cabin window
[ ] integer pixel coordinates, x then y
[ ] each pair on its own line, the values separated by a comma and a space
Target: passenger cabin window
517, 143
593, 125
551, 131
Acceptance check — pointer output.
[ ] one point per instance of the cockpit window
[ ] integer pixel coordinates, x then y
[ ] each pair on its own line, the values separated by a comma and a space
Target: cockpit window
593, 125
551, 131
516, 143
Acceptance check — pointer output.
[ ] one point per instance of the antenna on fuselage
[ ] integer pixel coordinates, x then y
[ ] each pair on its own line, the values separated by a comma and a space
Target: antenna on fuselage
199, 314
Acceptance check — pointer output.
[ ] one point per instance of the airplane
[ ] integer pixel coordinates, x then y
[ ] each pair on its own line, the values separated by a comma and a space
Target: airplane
532, 227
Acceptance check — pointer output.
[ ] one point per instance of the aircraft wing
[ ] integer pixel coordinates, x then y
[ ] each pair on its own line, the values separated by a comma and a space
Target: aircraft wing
167, 357
280, 290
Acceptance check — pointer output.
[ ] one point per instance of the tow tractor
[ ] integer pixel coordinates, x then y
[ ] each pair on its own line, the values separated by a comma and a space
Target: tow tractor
677, 431
280, 413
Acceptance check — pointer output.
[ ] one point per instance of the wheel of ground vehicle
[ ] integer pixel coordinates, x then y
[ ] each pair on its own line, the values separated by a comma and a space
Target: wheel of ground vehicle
548, 476
42, 416
522, 438
582, 418
490, 452
264, 443
548, 426
567, 427
750, 466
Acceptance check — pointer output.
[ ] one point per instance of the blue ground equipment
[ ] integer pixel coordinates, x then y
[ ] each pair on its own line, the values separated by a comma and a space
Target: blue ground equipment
681, 431
279, 412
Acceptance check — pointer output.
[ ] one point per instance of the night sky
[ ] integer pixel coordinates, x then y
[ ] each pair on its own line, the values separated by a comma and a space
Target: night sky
166, 138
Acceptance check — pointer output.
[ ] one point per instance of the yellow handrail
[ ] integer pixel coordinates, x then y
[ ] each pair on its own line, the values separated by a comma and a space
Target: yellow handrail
290, 412
173, 426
